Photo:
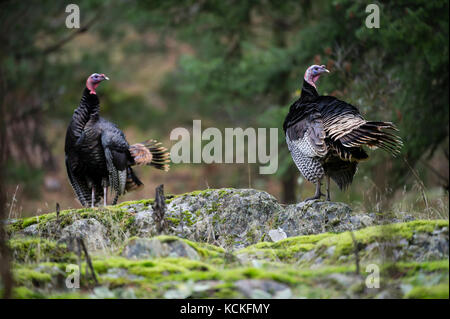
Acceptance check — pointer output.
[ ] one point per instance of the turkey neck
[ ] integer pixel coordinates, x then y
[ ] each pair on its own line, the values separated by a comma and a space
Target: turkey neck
309, 92
88, 109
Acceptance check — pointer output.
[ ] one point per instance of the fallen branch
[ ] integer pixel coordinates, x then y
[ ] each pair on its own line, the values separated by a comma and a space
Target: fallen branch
88, 259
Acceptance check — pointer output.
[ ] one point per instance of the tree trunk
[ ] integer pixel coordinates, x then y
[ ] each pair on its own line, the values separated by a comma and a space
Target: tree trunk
289, 183
289, 180
5, 257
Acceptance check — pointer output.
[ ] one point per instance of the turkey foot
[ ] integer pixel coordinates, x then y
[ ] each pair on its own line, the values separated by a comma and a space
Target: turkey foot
318, 193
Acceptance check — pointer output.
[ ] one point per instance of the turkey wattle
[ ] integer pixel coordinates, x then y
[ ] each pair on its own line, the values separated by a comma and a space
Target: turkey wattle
98, 155
326, 136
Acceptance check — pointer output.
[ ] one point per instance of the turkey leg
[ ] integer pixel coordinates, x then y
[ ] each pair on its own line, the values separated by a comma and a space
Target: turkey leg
328, 188
93, 197
318, 193
105, 191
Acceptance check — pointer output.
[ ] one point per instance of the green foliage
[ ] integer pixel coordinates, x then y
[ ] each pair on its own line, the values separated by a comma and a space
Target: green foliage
23, 174
249, 59
244, 66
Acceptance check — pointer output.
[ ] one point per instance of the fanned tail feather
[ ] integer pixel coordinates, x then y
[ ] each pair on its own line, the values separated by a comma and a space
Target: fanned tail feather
161, 156
372, 134
151, 152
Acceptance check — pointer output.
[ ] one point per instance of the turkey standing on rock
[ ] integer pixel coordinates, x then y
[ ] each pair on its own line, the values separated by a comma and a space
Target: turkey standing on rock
98, 154
326, 136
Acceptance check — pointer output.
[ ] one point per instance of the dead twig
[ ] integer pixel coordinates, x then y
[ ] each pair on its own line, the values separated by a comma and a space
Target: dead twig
159, 209
57, 212
88, 259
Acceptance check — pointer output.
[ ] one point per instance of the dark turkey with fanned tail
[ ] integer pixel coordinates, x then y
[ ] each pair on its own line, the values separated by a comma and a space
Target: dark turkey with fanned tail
326, 136
98, 155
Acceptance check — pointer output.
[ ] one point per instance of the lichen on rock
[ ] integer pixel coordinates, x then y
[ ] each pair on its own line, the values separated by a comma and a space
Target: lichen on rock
230, 243
144, 248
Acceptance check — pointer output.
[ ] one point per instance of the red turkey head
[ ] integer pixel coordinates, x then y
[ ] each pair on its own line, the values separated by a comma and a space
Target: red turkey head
94, 80
313, 73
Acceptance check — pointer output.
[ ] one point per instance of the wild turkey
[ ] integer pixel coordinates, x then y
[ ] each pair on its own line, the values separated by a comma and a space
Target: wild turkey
326, 136
98, 154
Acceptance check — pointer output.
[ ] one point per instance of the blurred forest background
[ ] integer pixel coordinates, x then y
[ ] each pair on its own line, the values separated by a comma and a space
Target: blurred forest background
231, 64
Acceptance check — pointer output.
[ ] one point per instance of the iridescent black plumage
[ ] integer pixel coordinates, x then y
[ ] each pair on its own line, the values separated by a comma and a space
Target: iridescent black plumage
98, 154
326, 137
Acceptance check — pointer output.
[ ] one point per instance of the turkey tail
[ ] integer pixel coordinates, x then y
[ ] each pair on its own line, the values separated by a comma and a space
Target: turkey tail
373, 134
133, 181
343, 176
151, 152
351, 154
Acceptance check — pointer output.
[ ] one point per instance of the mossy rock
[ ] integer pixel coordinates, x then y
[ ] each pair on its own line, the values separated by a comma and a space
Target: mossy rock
416, 240
26, 249
218, 245
230, 218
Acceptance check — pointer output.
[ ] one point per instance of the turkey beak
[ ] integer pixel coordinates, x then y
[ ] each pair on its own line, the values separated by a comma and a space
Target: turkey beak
323, 69
105, 77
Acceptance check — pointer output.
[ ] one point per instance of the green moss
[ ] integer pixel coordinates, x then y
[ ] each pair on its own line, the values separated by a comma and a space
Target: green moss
49, 223
214, 207
225, 291
181, 269
151, 278
207, 251
155, 270
29, 221
174, 221
144, 202
223, 192
25, 293
288, 249
187, 218
413, 268
114, 213
433, 292
26, 276
39, 249
205, 193
68, 295
344, 243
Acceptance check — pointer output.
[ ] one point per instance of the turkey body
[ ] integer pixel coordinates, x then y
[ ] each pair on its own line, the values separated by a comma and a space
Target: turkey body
97, 154
325, 137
